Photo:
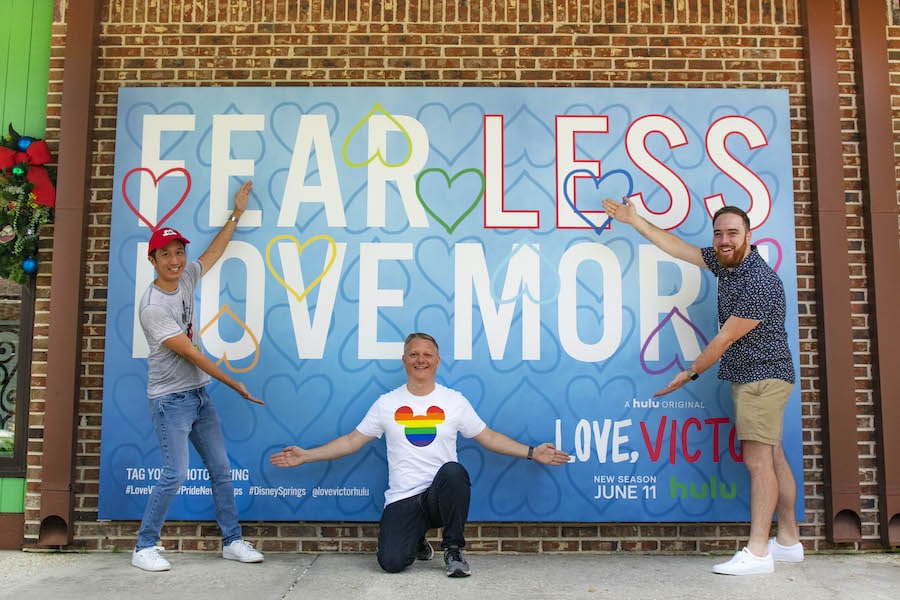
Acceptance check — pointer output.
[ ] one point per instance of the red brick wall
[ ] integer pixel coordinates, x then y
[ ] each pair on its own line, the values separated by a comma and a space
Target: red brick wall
605, 43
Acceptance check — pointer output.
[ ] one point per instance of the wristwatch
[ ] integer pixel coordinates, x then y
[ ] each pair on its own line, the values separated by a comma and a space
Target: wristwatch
530, 453
233, 218
692, 375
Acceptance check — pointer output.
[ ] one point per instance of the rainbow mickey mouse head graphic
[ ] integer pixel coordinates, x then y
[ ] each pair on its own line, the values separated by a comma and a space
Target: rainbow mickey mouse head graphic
420, 430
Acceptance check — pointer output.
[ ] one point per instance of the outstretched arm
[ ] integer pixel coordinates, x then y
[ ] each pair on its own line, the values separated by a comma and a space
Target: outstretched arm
666, 241
183, 346
497, 442
734, 329
292, 456
217, 247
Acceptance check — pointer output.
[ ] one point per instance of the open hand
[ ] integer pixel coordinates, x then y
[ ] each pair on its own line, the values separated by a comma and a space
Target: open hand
242, 196
547, 454
290, 456
623, 212
679, 380
241, 389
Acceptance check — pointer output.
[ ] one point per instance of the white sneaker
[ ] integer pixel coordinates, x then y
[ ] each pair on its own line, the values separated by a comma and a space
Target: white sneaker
781, 553
746, 563
149, 559
242, 551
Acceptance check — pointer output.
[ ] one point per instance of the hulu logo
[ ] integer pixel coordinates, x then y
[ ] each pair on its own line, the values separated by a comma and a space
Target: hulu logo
713, 489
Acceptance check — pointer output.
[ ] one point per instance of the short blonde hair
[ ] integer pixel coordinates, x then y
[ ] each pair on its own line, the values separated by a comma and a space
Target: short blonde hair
420, 336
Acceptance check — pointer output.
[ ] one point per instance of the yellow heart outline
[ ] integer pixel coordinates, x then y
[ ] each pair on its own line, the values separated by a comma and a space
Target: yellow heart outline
300, 248
377, 109
227, 309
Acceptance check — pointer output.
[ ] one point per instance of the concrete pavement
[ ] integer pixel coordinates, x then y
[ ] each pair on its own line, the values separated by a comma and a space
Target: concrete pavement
198, 576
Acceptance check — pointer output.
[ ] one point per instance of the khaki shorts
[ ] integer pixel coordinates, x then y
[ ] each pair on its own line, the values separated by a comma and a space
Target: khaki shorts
759, 409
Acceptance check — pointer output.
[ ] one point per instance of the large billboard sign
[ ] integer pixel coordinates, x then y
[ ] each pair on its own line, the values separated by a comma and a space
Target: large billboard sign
472, 214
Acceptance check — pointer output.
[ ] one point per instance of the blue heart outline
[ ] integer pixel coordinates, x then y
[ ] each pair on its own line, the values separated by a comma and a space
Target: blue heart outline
597, 181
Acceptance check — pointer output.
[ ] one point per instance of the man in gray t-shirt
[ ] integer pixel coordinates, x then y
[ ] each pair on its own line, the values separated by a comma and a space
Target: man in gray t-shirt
164, 315
180, 406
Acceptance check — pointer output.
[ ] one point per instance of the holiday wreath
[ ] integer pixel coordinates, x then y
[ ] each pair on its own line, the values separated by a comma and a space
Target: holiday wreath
27, 198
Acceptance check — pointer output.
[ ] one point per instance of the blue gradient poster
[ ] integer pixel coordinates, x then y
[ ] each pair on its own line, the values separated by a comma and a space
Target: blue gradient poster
474, 215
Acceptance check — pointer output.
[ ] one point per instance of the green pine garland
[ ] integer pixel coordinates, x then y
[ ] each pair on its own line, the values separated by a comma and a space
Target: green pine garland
21, 216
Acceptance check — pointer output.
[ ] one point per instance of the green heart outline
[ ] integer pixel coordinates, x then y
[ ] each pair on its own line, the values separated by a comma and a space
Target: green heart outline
450, 180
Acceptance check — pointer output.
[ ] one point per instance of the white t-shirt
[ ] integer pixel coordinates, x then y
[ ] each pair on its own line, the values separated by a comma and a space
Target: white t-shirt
420, 435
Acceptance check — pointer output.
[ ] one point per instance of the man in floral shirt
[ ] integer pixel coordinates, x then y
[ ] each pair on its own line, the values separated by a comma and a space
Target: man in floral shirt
755, 358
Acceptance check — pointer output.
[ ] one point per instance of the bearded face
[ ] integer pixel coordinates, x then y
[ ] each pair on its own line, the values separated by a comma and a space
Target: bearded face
731, 240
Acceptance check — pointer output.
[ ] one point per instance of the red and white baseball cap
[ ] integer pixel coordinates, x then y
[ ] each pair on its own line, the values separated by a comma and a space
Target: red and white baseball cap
163, 236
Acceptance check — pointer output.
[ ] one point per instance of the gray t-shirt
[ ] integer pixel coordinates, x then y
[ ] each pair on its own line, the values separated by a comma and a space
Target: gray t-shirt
164, 315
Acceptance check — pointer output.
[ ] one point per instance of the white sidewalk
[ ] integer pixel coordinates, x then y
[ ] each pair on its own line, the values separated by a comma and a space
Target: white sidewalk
198, 576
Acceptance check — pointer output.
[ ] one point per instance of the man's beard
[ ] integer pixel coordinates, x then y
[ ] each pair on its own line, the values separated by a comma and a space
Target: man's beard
737, 255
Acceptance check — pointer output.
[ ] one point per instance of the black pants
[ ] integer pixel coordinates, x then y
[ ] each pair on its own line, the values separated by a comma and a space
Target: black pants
405, 522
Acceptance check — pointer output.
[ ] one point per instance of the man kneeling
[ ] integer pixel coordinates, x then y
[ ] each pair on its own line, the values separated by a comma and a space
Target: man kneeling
427, 487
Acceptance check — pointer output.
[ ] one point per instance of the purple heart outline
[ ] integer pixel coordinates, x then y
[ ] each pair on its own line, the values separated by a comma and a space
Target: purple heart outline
675, 361
597, 181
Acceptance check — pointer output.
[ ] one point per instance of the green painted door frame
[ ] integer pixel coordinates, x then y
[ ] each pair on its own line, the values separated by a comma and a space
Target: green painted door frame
25, 28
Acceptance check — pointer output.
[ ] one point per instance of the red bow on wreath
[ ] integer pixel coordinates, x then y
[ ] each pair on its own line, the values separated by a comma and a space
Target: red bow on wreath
36, 155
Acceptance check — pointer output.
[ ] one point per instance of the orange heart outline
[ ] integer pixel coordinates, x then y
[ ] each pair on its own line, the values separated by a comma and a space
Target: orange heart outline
227, 309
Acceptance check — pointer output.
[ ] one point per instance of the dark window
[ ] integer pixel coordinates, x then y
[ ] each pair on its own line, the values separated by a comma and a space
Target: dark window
16, 322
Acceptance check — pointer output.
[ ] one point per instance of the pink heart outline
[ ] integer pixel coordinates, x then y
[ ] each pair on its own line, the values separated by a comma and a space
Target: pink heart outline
777, 246
156, 181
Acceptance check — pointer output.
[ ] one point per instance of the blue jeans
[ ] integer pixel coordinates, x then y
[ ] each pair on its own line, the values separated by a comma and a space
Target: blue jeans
405, 522
176, 419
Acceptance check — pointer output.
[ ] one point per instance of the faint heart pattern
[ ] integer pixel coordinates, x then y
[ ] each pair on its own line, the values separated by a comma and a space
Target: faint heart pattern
445, 127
